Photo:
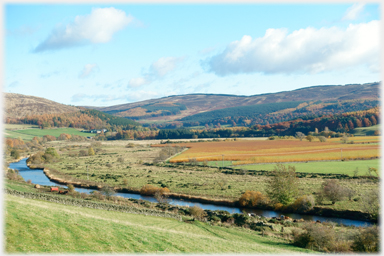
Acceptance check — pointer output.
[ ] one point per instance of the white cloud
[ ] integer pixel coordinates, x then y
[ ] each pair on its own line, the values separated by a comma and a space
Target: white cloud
157, 70
97, 27
142, 95
137, 82
164, 65
305, 50
88, 70
353, 12
79, 97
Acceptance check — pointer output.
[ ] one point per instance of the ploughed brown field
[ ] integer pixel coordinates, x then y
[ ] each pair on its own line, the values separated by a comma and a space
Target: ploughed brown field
271, 151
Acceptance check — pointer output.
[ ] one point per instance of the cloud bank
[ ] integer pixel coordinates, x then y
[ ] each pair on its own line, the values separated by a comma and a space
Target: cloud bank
307, 50
158, 69
97, 27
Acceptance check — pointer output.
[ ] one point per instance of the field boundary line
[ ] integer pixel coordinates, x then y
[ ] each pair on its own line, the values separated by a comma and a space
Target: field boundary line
284, 153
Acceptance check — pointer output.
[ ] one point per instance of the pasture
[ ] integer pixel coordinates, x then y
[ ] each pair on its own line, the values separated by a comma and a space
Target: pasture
274, 151
358, 167
30, 133
117, 165
35, 226
365, 131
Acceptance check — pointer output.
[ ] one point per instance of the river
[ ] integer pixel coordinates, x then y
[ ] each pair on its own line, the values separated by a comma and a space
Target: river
37, 176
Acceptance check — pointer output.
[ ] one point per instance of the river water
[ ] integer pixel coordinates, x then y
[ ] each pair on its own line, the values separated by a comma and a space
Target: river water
37, 176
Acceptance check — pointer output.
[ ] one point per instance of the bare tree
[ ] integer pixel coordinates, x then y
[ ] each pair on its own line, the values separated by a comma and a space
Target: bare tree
300, 135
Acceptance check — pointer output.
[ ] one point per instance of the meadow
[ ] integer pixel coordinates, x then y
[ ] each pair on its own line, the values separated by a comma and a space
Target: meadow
351, 168
28, 133
121, 165
365, 131
35, 226
275, 151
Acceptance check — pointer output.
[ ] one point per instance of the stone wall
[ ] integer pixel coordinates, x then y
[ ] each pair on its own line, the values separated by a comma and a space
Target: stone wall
89, 204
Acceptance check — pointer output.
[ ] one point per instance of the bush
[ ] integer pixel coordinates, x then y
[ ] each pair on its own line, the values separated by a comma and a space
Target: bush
252, 198
83, 153
304, 203
367, 240
150, 190
197, 212
15, 154
71, 188
315, 237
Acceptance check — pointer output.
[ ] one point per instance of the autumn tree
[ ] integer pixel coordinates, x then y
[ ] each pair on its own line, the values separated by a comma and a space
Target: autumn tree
91, 152
283, 184
333, 191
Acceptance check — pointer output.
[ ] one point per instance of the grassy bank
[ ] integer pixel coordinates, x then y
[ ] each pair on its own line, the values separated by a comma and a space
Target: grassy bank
36, 226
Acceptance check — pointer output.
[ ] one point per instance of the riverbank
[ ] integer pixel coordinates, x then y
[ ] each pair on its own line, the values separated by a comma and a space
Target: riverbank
317, 210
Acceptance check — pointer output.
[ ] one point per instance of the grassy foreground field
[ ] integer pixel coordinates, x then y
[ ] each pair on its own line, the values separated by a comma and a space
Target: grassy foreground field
39, 227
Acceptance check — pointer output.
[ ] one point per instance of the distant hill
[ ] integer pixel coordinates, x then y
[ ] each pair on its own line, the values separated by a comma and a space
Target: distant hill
46, 113
182, 107
18, 105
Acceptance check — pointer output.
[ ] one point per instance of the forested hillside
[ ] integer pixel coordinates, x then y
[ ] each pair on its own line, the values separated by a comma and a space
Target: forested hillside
85, 119
320, 99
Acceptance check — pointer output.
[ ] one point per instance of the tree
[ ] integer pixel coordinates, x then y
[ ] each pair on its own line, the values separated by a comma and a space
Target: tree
91, 152
300, 135
310, 138
283, 185
371, 203
322, 139
333, 190
108, 191
15, 154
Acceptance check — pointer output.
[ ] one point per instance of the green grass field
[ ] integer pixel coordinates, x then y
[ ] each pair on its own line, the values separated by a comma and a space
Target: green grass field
30, 133
365, 131
35, 226
342, 167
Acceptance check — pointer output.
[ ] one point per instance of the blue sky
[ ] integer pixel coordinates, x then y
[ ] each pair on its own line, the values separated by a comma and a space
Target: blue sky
104, 55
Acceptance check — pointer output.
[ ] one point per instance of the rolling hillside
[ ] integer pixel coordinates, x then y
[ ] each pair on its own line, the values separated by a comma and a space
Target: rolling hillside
181, 106
18, 106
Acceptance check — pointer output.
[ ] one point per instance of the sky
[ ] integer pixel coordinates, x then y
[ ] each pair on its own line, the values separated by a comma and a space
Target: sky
110, 54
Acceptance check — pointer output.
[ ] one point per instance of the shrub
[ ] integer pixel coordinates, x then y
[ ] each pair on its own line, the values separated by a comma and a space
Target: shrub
367, 240
304, 203
315, 237
15, 153
71, 188
151, 190
197, 212
252, 198
83, 153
